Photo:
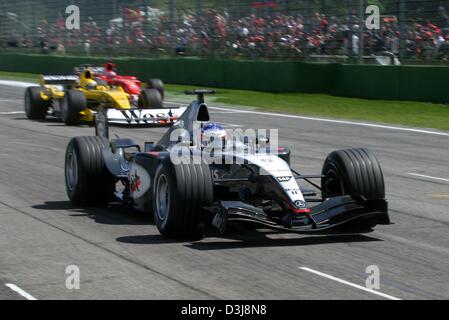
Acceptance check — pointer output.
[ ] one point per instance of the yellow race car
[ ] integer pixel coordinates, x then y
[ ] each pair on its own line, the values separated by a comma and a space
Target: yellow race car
78, 98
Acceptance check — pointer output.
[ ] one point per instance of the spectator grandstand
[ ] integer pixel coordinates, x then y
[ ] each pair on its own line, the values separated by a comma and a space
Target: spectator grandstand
283, 29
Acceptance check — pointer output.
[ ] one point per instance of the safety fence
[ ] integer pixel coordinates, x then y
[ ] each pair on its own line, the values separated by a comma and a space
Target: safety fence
351, 31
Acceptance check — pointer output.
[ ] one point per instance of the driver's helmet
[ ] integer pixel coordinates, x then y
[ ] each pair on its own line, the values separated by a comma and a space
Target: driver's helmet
110, 73
213, 136
90, 84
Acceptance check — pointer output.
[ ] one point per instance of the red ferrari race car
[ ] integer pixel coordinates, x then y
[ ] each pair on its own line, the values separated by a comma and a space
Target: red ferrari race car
107, 75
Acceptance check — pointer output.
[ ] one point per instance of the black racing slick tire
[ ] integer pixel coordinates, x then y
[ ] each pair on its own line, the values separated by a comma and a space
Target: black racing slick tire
73, 103
88, 181
35, 107
353, 172
158, 85
180, 192
150, 99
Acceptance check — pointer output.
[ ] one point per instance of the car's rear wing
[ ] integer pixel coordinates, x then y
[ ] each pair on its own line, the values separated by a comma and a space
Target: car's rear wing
59, 79
165, 116
135, 117
200, 93
94, 68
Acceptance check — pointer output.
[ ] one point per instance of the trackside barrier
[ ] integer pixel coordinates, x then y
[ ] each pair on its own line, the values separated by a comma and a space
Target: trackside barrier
414, 83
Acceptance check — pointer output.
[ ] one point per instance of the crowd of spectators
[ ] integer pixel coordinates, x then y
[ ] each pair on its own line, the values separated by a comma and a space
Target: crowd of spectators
217, 33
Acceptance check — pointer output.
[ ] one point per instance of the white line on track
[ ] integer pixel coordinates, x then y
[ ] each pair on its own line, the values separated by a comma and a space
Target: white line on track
227, 112
20, 291
22, 84
354, 123
349, 283
231, 125
19, 84
428, 177
12, 112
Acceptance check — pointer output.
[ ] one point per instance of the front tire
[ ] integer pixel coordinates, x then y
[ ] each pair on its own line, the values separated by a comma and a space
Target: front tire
73, 103
179, 194
35, 107
353, 172
158, 85
88, 181
150, 99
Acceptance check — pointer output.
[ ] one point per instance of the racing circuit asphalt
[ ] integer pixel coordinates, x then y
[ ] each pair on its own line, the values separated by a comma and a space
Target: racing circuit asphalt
121, 255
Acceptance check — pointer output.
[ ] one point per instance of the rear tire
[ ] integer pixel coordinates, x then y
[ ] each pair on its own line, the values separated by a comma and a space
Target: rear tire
35, 107
88, 181
73, 103
158, 85
179, 194
150, 99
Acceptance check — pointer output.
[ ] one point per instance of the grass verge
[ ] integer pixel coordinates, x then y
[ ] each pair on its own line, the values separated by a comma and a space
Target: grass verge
407, 113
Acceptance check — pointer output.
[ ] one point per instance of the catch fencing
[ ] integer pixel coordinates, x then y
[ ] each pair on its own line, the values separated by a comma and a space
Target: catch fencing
354, 31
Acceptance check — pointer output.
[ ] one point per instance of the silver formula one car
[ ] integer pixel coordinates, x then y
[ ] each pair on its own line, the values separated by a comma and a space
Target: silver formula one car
250, 185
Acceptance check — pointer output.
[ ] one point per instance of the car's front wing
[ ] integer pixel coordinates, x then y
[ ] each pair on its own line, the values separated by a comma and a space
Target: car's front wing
329, 215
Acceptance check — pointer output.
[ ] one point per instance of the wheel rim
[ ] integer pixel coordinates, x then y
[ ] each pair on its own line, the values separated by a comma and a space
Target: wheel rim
71, 170
334, 185
162, 197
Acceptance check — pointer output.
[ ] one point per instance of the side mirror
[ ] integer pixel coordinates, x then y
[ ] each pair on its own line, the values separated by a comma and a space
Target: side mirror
149, 146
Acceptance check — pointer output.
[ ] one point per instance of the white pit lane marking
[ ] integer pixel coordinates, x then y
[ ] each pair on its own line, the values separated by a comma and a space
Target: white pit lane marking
349, 283
22, 84
20, 291
428, 177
